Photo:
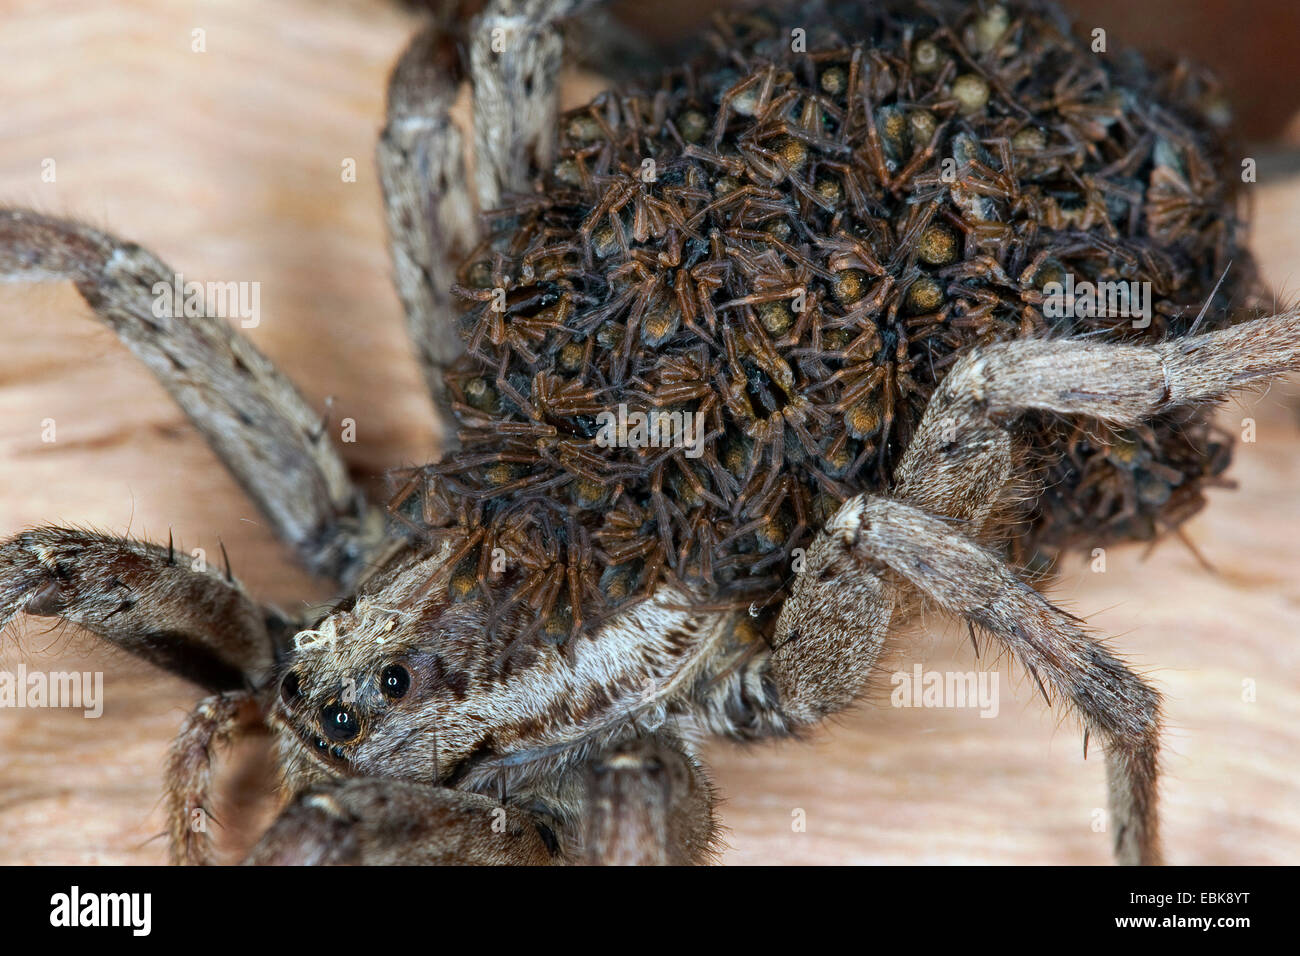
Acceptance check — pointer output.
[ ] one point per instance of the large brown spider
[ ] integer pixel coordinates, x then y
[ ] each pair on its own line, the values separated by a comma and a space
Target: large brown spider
435, 715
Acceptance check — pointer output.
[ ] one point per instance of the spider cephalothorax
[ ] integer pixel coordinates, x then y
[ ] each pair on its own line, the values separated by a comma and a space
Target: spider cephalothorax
835, 242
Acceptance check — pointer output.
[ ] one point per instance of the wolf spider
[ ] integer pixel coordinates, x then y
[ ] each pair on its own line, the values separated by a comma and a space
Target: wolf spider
398, 743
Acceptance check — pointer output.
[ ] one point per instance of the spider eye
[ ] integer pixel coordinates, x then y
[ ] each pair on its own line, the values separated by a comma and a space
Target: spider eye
290, 690
339, 723
395, 681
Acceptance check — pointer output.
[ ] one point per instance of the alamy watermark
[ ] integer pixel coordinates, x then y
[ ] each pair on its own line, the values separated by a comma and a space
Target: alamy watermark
653, 429
75, 908
71, 689
1105, 299
957, 689
226, 300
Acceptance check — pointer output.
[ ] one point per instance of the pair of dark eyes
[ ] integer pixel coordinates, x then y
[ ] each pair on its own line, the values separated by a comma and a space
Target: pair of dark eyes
394, 682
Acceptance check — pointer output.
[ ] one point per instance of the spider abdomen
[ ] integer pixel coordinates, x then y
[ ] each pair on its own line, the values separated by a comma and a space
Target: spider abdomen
724, 308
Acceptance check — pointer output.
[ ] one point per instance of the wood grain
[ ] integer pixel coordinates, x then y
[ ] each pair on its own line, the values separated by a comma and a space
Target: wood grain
227, 164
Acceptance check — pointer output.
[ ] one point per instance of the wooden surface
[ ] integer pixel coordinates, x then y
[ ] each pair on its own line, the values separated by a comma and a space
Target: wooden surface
227, 164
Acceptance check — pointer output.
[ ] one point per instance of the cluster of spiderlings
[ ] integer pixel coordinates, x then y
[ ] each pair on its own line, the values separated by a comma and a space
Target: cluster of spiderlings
794, 237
